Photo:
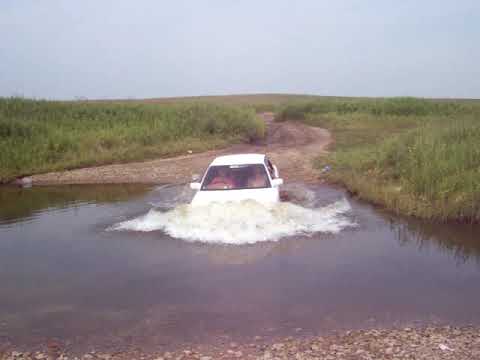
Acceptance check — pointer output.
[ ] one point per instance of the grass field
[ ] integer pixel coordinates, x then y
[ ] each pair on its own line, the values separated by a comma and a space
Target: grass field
40, 136
259, 102
413, 156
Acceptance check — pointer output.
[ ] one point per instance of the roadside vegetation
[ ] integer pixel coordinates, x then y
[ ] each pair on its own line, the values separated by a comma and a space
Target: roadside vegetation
415, 157
41, 136
259, 102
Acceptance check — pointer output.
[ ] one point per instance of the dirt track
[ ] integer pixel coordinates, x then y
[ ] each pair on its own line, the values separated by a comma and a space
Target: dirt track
290, 145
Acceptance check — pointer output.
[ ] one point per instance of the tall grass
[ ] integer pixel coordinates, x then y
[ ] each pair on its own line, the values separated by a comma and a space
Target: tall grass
402, 106
39, 136
438, 164
416, 157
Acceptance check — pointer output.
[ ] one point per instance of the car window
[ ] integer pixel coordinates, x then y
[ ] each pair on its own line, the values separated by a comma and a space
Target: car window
235, 177
270, 168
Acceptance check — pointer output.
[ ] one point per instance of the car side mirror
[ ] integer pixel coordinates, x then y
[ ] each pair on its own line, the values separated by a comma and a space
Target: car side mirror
277, 182
195, 186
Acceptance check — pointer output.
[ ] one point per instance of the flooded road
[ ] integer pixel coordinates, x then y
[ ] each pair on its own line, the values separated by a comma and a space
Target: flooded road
100, 266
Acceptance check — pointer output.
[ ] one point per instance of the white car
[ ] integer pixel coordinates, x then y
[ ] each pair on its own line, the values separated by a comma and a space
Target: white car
238, 177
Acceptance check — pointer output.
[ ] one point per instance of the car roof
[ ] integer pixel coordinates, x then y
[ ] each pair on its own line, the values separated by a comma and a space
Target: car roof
239, 159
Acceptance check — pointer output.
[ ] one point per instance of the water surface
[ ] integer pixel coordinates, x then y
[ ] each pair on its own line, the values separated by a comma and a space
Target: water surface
65, 274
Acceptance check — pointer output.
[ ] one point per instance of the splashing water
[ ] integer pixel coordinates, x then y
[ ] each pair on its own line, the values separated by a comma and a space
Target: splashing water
244, 222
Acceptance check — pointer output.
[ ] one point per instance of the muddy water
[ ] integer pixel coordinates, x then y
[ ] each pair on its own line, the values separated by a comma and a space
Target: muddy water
107, 267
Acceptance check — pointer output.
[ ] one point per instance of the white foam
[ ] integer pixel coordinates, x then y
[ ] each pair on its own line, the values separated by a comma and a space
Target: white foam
246, 222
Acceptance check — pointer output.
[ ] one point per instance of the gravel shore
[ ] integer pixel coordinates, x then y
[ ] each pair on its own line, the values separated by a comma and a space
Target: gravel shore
433, 343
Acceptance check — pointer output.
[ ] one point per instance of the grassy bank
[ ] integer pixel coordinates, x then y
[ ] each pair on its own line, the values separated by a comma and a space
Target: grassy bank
41, 136
413, 156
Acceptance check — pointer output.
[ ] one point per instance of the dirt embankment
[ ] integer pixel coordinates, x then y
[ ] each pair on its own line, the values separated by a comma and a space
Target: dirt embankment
290, 145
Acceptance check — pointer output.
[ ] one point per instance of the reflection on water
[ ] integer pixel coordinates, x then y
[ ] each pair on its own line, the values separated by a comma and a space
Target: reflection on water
63, 275
459, 241
225, 254
19, 204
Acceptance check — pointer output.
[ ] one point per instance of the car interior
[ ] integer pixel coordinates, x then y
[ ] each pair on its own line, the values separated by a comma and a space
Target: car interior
243, 176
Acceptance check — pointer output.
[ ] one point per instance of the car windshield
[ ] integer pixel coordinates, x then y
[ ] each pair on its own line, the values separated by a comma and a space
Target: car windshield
235, 177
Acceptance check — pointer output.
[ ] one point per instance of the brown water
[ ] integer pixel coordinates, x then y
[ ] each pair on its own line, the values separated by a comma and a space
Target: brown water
64, 276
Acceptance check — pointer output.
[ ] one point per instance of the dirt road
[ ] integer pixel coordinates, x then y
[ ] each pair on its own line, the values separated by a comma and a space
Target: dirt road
290, 145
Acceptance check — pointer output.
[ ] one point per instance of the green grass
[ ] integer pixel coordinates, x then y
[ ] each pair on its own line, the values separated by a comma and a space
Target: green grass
40, 136
415, 157
259, 102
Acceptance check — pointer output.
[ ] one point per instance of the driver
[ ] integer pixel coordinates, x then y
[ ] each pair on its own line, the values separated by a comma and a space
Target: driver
257, 178
223, 180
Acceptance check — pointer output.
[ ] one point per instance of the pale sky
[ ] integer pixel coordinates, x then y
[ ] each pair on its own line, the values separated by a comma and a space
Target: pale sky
63, 49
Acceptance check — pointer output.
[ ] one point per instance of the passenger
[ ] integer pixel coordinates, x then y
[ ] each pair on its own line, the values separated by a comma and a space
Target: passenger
257, 179
222, 180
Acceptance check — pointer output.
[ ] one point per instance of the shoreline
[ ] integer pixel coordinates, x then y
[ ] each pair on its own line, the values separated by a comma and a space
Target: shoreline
425, 342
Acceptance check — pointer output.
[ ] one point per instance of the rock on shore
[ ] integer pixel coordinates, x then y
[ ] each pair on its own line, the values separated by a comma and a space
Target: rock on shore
408, 343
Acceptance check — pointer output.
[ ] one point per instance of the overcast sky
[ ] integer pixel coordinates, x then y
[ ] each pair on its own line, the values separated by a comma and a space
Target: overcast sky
135, 49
